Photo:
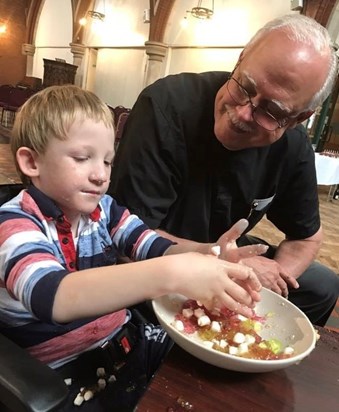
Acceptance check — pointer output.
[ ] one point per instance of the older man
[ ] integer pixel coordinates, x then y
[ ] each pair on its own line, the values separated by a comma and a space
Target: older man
201, 151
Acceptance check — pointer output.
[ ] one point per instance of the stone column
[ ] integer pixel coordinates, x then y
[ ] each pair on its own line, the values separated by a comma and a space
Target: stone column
78, 51
28, 50
156, 52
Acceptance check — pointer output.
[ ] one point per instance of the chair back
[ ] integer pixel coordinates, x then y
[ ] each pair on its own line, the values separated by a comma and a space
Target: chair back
5, 91
18, 97
120, 114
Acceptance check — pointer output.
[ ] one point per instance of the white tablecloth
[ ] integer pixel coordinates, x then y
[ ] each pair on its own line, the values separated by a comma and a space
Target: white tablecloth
327, 169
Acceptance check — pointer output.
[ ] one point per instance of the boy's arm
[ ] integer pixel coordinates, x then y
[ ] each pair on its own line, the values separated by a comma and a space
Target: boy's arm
97, 291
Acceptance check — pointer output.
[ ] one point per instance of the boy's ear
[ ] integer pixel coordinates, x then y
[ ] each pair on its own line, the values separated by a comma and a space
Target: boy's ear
26, 159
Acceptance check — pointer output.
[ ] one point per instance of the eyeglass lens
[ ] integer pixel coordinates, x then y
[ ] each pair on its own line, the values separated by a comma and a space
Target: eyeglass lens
241, 97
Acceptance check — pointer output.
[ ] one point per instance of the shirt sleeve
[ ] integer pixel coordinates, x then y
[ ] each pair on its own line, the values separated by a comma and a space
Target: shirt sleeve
295, 209
31, 270
133, 238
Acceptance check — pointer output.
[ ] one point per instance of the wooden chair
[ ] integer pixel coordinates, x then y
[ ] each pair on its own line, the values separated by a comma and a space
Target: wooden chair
120, 114
5, 91
17, 97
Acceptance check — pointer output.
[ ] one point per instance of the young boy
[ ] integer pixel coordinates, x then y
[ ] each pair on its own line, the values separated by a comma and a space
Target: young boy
61, 294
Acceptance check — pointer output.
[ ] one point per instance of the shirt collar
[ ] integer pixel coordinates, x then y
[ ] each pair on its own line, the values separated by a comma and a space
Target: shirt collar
50, 210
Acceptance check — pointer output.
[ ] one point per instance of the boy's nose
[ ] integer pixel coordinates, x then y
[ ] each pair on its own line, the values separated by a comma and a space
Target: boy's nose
99, 176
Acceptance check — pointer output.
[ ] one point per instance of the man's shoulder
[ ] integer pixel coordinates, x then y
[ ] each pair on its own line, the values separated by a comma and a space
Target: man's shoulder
186, 91
295, 142
189, 79
298, 131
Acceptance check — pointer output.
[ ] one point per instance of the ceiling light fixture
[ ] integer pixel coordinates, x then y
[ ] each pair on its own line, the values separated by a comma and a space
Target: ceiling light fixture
202, 13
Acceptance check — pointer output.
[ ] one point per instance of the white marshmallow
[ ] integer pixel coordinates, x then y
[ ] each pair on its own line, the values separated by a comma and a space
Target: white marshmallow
187, 313
215, 250
208, 344
223, 343
232, 350
112, 378
242, 348
239, 338
88, 395
215, 326
101, 372
78, 400
249, 339
199, 312
204, 321
101, 383
288, 350
178, 324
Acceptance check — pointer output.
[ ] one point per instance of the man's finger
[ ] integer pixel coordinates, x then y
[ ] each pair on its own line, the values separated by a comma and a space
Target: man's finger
234, 255
234, 232
290, 280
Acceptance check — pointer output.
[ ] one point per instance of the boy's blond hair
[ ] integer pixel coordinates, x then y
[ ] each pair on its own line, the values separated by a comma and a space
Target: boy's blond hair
50, 113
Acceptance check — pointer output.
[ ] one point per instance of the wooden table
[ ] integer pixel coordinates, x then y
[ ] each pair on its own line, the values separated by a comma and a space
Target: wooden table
311, 386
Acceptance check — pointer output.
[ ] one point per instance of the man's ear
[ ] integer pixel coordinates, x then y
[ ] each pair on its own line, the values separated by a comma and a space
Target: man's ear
26, 159
300, 118
305, 115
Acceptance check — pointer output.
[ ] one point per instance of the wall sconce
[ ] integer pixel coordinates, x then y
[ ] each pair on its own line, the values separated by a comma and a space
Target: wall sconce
93, 14
96, 15
202, 13
147, 16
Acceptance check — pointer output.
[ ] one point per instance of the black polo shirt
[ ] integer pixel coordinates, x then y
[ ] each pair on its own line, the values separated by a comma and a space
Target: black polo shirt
173, 173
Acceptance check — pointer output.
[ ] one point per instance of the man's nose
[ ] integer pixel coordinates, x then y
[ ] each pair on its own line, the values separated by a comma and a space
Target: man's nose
245, 112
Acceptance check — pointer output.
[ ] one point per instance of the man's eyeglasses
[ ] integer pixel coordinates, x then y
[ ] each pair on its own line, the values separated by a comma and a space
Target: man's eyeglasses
241, 97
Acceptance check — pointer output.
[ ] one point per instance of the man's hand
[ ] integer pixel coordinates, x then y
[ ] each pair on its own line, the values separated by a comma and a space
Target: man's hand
271, 274
227, 249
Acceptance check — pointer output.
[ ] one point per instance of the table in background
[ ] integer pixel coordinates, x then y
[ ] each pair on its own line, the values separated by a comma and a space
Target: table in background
311, 386
327, 169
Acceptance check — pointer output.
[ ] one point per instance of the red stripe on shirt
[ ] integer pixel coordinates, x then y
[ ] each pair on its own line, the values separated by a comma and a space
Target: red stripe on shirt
13, 226
139, 241
122, 220
78, 340
21, 265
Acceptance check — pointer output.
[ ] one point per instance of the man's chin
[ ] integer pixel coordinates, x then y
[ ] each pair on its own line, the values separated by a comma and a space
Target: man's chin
232, 142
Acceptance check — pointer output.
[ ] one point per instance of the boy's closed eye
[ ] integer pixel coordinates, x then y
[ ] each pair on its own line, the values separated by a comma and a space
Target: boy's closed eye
80, 158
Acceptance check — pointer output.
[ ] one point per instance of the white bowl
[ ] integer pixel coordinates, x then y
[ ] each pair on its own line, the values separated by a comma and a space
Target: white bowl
288, 324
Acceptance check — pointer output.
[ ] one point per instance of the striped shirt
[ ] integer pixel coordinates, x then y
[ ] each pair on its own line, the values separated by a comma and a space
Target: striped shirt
37, 251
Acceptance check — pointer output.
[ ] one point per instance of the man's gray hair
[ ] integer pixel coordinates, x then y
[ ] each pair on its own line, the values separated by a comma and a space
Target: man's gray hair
306, 30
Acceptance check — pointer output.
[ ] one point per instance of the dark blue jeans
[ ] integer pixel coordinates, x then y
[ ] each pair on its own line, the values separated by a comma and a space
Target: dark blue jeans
133, 373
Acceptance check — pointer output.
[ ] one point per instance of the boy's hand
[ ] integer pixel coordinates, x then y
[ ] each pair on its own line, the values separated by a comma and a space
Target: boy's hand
217, 283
